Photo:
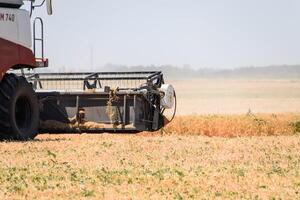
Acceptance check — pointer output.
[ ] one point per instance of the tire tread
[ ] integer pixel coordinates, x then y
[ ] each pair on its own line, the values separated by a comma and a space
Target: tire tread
9, 84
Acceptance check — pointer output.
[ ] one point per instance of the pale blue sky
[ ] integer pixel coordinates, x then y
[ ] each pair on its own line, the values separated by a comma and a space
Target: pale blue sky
211, 33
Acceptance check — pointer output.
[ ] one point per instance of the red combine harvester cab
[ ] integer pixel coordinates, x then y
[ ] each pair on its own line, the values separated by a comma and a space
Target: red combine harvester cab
69, 102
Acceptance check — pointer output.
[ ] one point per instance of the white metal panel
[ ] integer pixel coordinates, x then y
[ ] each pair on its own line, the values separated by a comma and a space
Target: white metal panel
8, 26
15, 26
24, 28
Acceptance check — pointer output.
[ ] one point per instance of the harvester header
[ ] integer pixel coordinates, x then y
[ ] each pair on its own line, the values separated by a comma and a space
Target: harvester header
103, 101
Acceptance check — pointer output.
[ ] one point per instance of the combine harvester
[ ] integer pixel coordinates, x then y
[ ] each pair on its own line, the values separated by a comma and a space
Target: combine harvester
32, 103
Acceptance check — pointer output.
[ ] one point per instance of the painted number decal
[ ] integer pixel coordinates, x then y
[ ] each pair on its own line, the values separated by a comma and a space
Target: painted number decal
6, 17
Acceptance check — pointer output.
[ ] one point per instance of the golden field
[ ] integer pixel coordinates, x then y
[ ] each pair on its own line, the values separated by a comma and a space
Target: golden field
235, 125
151, 167
232, 139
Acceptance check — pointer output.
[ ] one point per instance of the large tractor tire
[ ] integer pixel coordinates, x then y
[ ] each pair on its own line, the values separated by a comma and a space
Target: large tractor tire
19, 109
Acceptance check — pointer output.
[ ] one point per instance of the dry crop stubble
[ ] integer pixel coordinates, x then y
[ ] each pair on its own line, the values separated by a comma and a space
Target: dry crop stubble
138, 167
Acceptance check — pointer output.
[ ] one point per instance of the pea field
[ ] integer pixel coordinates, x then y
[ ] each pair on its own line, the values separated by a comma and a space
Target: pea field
231, 139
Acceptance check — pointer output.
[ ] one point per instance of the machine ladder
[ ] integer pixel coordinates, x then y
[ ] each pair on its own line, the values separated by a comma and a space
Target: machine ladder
40, 60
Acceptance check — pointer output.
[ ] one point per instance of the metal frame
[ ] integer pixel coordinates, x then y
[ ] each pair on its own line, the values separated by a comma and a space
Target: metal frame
153, 78
41, 39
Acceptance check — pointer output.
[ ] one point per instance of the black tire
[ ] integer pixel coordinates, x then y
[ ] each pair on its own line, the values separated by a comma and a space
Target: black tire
19, 110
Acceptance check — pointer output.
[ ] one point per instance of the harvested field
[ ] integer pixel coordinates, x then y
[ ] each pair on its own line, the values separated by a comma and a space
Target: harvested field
151, 167
237, 96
